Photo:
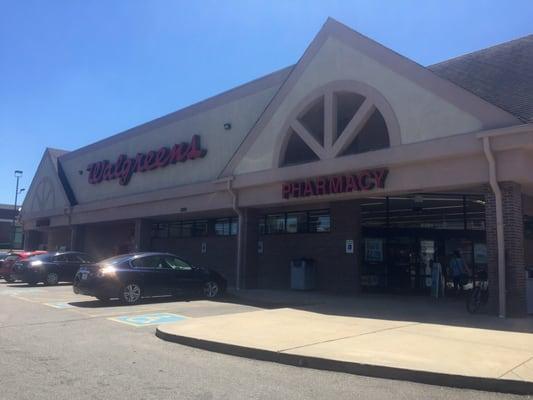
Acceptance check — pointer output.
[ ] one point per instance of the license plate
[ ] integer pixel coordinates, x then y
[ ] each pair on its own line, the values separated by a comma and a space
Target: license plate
84, 275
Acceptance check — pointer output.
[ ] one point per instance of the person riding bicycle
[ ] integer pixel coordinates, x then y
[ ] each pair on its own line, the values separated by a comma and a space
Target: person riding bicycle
459, 270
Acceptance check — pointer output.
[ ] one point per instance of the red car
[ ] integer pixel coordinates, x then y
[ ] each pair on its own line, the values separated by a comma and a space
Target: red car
6, 265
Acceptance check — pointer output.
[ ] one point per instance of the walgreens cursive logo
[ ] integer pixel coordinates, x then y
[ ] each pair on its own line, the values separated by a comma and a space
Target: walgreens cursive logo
125, 167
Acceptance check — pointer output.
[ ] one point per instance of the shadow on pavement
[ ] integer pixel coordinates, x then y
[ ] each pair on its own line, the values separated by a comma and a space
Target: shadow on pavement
418, 309
23, 285
116, 303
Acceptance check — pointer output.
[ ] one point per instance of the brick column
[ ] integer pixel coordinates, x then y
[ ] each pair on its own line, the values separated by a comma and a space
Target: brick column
345, 268
249, 248
513, 218
76, 237
513, 227
32, 240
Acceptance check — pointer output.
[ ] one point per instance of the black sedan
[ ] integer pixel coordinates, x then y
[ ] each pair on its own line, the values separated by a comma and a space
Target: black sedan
130, 277
50, 268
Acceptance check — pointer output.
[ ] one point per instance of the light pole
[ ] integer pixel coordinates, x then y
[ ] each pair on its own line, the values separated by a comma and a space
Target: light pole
18, 174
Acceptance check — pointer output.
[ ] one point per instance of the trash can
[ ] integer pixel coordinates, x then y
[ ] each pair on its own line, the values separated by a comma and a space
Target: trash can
529, 289
303, 274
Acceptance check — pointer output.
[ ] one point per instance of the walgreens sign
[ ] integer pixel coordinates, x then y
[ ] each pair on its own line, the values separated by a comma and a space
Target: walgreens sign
124, 167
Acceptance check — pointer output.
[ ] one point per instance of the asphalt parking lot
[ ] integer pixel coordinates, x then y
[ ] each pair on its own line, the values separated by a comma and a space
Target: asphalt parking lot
151, 312
58, 345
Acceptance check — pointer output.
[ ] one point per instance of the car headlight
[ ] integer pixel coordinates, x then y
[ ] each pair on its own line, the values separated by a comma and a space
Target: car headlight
106, 270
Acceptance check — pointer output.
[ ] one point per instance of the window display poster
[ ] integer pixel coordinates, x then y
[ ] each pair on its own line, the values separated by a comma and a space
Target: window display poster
373, 250
480, 253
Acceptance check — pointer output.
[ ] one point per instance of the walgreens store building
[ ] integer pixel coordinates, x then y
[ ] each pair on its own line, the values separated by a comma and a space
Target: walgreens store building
357, 158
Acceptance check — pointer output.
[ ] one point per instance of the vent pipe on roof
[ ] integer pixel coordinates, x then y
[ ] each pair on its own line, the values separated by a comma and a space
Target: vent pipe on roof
499, 225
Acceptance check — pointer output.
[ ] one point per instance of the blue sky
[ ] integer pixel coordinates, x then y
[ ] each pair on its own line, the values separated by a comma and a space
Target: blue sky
76, 71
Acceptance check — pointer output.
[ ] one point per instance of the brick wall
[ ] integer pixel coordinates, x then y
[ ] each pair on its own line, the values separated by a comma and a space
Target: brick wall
58, 238
220, 255
105, 240
6, 230
336, 270
514, 249
249, 248
33, 240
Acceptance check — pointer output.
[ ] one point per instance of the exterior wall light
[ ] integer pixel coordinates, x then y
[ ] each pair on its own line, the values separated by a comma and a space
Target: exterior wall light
227, 126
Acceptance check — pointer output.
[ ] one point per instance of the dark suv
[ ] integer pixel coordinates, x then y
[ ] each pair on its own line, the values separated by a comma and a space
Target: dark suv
51, 268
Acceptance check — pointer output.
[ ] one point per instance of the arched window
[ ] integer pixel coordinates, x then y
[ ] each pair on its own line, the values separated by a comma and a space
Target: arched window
336, 122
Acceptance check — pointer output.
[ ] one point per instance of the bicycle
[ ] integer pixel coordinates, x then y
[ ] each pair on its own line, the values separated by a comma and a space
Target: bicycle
480, 293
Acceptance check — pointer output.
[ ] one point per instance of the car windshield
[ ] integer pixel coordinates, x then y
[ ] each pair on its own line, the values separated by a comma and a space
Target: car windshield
3, 256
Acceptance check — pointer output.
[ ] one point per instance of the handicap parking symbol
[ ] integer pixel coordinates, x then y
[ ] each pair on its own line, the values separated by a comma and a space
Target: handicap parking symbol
148, 319
60, 305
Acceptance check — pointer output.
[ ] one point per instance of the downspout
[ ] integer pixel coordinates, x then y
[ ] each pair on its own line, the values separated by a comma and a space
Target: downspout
499, 225
238, 211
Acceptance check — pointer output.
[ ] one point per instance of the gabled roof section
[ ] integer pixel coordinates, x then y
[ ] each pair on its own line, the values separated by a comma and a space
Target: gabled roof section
489, 115
501, 75
55, 154
46, 193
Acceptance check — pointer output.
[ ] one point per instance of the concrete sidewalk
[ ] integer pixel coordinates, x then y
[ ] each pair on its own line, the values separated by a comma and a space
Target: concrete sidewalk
485, 359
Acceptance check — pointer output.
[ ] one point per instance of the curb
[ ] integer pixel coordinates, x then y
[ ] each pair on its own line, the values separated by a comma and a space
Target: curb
374, 371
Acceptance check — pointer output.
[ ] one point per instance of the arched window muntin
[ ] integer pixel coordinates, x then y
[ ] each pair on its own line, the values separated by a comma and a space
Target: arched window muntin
332, 140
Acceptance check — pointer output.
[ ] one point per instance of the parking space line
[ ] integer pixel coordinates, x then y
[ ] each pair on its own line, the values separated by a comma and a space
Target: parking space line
25, 299
60, 305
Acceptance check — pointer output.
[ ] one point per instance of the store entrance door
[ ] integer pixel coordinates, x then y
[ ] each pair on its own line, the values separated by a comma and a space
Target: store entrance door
409, 263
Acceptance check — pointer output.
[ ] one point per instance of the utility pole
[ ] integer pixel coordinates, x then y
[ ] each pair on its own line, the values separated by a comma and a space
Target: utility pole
18, 174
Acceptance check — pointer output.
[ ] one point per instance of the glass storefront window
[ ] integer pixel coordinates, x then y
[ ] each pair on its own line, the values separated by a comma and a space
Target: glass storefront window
296, 222
226, 226
425, 211
186, 229
222, 227
200, 228
316, 221
175, 229
319, 221
234, 226
275, 223
194, 228
373, 250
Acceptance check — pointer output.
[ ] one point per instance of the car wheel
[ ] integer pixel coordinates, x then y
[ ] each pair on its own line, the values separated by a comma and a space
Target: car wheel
52, 279
131, 293
9, 279
211, 289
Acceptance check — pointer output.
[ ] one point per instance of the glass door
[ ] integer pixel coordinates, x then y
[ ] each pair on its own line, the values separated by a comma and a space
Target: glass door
402, 263
427, 256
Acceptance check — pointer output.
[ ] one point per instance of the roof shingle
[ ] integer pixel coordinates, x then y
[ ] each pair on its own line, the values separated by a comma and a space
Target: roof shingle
501, 75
